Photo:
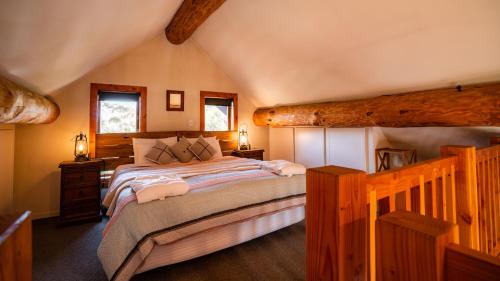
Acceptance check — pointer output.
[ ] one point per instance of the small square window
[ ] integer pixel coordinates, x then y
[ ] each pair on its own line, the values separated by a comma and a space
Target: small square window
118, 112
219, 111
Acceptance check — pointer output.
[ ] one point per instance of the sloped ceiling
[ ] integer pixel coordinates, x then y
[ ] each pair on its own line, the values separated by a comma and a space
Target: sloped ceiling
297, 51
47, 44
279, 52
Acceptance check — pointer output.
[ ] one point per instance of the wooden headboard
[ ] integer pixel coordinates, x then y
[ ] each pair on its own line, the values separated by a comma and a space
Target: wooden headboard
116, 149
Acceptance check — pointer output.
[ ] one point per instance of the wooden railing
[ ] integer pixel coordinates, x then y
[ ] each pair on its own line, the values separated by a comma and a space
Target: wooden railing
413, 247
488, 191
427, 188
445, 188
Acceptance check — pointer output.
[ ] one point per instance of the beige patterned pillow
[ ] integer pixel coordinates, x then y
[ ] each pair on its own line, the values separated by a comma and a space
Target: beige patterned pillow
202, 149
181, 150
160, 154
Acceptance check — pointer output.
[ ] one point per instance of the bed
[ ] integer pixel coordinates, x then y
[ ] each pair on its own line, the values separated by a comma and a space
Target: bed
231, 200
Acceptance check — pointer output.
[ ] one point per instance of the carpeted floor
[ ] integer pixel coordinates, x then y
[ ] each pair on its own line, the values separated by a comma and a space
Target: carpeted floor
69, 254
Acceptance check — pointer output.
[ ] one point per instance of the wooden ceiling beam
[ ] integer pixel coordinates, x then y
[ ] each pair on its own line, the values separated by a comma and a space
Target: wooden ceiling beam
20, 105
190, 15
472, 105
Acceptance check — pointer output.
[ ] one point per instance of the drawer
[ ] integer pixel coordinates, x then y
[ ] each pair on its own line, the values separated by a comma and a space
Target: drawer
81, 208
72, 195
257, 157
80, 178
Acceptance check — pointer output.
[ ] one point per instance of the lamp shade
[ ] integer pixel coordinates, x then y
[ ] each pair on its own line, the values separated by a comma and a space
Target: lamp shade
81, 147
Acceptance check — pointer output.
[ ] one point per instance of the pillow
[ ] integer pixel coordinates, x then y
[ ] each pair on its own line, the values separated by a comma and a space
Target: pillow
181, 150
160, 154
202, 149
214, 142
142, 146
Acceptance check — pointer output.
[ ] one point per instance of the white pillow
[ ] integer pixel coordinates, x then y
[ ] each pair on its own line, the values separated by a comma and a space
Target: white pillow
214, 142
142, 146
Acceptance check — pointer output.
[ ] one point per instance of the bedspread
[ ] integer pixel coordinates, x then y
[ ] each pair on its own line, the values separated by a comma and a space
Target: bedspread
219, 188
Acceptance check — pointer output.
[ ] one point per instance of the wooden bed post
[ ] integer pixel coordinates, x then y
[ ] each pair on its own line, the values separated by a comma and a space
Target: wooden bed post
336, 229
466, 193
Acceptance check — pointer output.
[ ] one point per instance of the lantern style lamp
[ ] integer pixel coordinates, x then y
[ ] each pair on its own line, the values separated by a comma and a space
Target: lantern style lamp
243, 138
81, 148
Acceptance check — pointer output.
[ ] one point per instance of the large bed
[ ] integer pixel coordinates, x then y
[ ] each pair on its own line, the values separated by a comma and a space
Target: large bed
231, 200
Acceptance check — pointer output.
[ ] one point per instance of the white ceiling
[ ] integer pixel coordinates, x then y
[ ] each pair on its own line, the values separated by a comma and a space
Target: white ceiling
279, 52
298, 51
47, 44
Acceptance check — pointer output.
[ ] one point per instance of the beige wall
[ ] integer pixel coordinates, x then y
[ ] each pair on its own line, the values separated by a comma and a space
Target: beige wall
7, 133
156, 64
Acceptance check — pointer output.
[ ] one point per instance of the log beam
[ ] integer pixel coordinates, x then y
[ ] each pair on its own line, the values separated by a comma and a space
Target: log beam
473, 105
189, 17
20, 105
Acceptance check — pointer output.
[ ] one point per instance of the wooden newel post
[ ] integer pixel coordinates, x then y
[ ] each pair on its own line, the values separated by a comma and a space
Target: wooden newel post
466, 193
411, 247
336, 230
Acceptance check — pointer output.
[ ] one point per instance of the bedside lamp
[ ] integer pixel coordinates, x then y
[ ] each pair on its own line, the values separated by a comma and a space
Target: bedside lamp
81, 148
243, 138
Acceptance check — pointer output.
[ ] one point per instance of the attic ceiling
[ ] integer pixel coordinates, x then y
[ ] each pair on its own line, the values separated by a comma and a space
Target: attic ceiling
279, 52
48, 44
295, 51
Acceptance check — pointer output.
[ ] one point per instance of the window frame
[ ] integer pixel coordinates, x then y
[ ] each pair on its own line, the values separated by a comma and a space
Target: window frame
220, 95
94, 120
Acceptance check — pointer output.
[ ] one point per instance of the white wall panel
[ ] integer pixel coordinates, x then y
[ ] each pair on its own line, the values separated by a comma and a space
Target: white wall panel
310, 146
6, 168
347, 147
281, 144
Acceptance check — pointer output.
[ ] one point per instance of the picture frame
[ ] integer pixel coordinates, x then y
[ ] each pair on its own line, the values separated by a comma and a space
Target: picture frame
175, 100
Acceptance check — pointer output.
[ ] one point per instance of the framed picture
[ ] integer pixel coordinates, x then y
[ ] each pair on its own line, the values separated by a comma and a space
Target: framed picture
175, 100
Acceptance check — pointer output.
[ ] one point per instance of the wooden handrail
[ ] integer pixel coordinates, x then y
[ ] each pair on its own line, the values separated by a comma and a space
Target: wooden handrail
402, 179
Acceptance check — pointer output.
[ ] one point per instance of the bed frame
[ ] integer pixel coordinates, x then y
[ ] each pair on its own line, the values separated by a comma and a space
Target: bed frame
116, 149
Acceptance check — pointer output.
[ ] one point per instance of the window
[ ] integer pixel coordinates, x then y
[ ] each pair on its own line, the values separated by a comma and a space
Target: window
118, 112
219, 111
116, 109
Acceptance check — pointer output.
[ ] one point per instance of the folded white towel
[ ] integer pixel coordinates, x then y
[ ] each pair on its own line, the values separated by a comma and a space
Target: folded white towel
149, 188
283, 167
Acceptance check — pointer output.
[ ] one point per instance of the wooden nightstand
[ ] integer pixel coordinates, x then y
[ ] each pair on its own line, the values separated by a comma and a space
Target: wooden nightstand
80, 191
252, 153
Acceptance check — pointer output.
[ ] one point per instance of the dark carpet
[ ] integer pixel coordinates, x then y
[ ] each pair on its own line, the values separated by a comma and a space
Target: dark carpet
70, 254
